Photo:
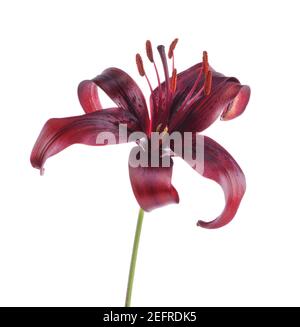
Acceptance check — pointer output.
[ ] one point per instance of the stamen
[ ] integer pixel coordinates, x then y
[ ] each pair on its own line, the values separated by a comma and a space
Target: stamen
172, 48
151, 59
140, 66
174, 81
206, 88
149, 51
171, 52
197, 81
161, 50
208, 83
139, 63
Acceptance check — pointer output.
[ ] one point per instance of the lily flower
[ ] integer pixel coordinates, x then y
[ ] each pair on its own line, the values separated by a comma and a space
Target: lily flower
189, 101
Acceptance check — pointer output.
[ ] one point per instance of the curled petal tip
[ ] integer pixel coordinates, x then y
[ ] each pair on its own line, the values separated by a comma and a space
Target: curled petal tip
238, 104
206, 224
219, 166
88, 96
42, 171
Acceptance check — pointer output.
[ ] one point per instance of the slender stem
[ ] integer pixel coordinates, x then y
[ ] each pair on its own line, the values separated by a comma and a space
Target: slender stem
134, 257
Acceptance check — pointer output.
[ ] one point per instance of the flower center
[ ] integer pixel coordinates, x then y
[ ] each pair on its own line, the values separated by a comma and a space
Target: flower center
165, 98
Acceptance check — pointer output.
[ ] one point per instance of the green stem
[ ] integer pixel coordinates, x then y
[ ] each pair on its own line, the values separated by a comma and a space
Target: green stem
133, 257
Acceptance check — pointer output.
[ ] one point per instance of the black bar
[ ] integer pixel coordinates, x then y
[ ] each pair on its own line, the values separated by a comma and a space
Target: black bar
158, 316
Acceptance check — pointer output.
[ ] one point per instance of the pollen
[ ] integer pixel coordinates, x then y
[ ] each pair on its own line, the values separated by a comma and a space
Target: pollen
149, 51
158, 127
164, 132
140, 65
172, 48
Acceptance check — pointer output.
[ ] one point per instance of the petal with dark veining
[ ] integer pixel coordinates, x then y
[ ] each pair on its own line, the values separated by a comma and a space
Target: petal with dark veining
121, 88
59, 133
228, 100
219, 166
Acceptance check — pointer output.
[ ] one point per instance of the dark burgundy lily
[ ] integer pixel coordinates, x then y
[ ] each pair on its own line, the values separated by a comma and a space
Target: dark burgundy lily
186, 102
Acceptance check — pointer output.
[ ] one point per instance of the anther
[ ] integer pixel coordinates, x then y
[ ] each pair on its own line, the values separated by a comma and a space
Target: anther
205, 63
172, 48
139, 63
149, 51
174, 80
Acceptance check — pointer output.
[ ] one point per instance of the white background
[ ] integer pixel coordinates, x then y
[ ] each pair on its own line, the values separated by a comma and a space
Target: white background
66, 238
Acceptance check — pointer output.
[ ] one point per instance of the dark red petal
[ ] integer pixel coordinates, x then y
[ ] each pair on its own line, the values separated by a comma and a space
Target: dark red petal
59, 133
152, 186
186, 80
121, 88
229, 99
205, 109
223, 169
